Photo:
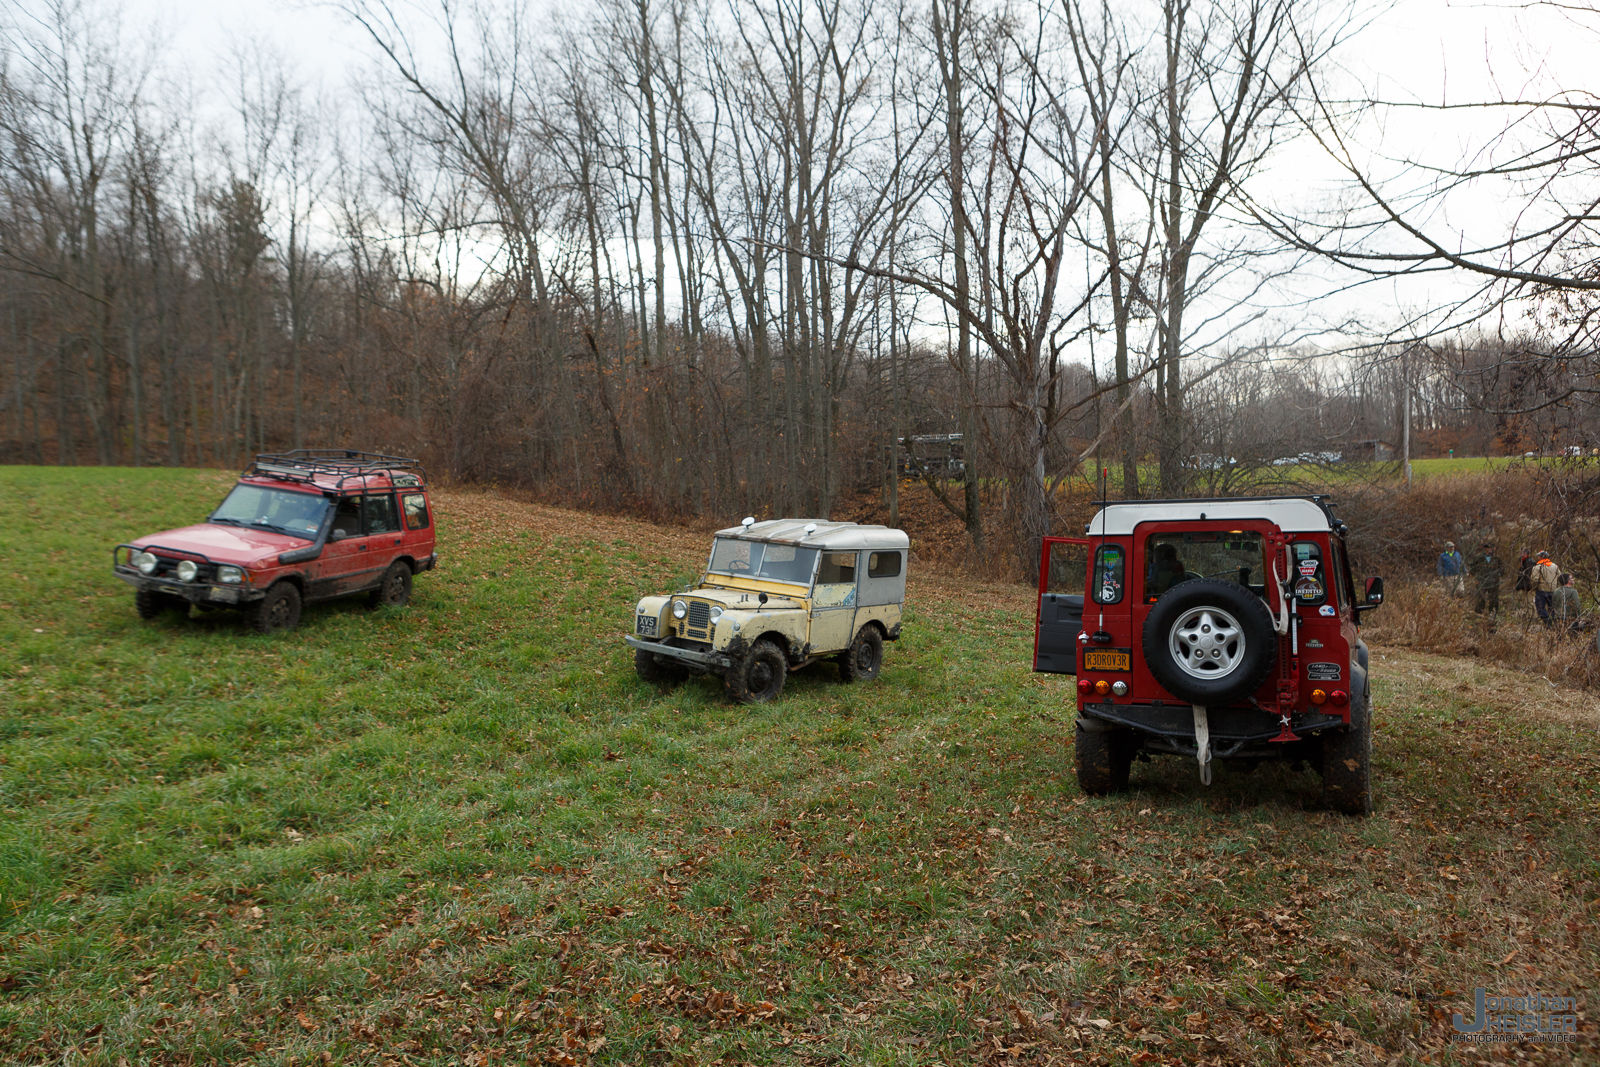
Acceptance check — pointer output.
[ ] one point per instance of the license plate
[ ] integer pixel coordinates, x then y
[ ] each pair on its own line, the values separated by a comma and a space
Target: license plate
645, 625
226, 595
1108, 659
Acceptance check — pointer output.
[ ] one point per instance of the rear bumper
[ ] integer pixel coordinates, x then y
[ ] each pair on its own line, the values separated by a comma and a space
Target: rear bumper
710, 661
1176, 721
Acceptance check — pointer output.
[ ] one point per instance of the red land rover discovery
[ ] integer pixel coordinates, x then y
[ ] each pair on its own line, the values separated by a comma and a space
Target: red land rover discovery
299, 527
1212, 629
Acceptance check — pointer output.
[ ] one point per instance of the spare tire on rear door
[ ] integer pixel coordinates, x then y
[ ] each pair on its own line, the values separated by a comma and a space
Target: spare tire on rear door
1209, 641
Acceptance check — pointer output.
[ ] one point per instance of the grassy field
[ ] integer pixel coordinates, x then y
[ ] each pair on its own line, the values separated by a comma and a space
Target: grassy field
463, 832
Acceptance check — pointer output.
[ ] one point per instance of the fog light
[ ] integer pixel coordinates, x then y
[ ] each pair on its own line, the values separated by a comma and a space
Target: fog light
1120, 688
187, 570
1339, 697
679, 609
1318, 697
145, 561
1102, 687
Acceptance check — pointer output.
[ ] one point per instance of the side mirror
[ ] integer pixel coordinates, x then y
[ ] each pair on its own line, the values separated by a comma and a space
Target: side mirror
762, 599
338, 535
1374, 592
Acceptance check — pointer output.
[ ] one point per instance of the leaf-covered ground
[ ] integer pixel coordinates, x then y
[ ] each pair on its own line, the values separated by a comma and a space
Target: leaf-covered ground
465, 832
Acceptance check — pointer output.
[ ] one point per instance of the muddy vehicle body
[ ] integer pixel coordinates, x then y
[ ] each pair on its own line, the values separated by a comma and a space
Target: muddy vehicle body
298, 527
777, 596
1212, 629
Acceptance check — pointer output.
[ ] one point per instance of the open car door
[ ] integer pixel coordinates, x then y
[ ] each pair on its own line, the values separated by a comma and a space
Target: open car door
1063, 571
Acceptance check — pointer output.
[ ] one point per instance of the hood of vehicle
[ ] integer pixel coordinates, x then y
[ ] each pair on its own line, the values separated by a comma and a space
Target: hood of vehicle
224, 544
743, 600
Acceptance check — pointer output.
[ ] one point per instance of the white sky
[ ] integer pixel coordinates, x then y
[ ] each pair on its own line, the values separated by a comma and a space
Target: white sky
1429, 50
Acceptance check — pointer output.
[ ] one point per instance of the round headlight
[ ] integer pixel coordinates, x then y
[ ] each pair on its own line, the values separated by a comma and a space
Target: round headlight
716, 612
187, 570
679, 609
231, 575
145, 561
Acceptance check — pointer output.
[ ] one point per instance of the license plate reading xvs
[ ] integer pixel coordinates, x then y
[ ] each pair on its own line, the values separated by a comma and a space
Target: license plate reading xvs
1108, 659
646, 626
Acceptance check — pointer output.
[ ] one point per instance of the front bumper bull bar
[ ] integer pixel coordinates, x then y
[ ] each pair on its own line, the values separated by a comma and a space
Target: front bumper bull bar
711, 661
216, 594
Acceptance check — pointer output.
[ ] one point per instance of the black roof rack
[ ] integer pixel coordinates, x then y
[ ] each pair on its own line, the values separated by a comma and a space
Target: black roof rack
305, 464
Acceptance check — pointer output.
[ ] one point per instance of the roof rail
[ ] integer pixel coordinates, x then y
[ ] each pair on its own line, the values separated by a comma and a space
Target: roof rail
342, 464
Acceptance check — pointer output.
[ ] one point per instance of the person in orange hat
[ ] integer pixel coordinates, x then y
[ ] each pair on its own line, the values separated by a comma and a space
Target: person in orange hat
1546, 579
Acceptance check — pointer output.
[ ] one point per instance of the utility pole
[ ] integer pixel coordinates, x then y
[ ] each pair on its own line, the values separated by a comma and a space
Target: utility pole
1405, 429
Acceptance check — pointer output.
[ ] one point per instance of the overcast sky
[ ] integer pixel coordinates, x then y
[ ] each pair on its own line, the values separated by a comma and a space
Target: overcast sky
1428, 50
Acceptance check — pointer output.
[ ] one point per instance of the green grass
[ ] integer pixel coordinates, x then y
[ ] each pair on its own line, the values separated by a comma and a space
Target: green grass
465, 832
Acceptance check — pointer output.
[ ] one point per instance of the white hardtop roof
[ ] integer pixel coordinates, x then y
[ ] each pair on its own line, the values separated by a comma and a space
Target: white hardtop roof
1290, 514
836, 535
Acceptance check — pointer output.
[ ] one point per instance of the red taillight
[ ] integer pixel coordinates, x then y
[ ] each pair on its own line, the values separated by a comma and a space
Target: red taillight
1085, 687
1339, 697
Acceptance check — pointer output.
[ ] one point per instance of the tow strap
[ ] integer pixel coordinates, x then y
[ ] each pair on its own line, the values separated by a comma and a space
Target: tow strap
1202, 743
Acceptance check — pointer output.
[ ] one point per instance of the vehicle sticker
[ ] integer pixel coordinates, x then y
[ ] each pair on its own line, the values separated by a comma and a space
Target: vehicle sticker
646, 626
1323, 672
1308, 567
1108, 659
1329, 609
1308, 589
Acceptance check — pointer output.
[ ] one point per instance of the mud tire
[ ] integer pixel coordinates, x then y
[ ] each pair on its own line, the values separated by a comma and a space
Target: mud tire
1346, 762
759, 677
652, 670
151, 604
1103, 758
394, 590
864, 658
1255, 660
278, 610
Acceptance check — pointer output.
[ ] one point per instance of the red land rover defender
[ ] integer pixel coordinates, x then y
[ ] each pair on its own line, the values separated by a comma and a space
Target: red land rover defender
1213, 629
302, 526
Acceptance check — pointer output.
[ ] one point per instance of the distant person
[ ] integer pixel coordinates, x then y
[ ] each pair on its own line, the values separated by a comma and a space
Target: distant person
1449, 568
1546, 579
1486, 570
1524, 573
1568, 606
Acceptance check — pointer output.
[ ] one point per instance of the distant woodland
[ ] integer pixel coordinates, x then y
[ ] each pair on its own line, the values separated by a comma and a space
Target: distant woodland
723, 257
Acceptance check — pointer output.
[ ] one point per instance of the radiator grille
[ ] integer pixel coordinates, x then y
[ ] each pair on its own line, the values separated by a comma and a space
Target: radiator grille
699, 618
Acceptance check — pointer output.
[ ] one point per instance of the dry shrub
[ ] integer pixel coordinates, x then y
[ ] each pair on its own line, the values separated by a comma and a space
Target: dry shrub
1419, 614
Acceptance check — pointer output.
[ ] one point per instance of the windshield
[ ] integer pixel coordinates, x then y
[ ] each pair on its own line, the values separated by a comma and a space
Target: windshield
297, 514
758, 559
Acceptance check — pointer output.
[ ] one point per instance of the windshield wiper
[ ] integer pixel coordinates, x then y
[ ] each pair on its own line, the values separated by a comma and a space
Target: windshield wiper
230, 522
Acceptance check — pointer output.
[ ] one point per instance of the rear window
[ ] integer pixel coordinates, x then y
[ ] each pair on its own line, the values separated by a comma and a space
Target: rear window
883, 565
1231, 555
416, 506
1110, 574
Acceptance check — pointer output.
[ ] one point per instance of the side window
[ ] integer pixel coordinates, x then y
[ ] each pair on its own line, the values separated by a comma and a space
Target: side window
379, 514
347, 518
1310, 577
883, 565
416, 506
1109, 574
1069, 563
837, 568
1340, 578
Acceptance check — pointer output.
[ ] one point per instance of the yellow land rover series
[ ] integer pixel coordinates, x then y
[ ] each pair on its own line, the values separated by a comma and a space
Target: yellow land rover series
775, 597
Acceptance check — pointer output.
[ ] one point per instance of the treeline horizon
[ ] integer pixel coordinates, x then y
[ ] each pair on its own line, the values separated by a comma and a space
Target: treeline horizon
702, 259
